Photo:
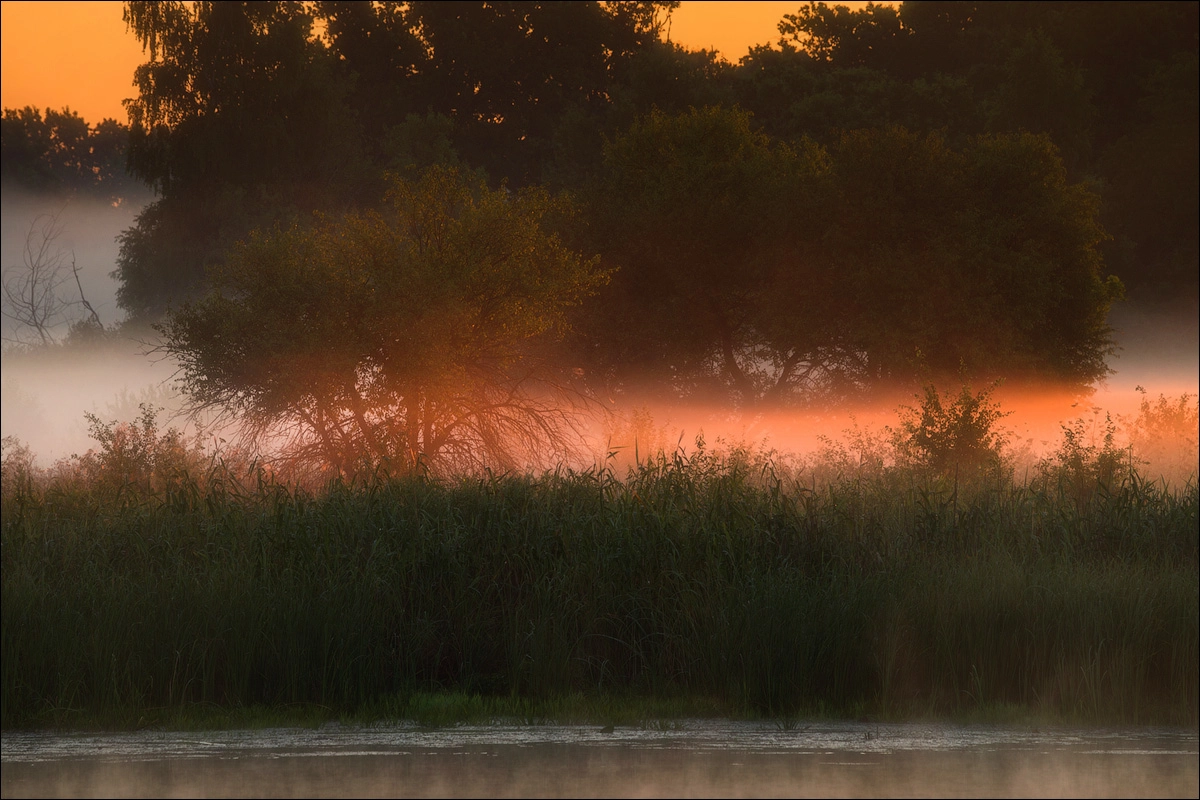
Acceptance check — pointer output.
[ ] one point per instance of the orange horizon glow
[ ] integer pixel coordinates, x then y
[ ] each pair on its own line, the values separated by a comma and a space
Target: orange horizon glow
73, 54
80, 54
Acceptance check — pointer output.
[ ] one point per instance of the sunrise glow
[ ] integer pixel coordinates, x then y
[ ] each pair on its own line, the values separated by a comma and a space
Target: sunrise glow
79, 54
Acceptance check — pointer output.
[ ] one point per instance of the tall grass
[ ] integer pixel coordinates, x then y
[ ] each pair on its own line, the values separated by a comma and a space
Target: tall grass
706, 576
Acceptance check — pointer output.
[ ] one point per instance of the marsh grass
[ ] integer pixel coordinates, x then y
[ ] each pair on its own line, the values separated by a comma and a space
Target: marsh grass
709, 581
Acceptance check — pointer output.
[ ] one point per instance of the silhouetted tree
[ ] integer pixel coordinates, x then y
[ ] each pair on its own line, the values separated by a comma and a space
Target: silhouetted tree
695, 209
412, 337
60, 153
33, 293
240, 119
755, 271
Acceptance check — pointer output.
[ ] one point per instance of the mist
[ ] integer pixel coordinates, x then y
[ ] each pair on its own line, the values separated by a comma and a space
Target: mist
47, 391
1155, 354
90, 227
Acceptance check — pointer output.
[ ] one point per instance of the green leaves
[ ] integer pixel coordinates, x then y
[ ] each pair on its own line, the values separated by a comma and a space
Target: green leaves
409, 335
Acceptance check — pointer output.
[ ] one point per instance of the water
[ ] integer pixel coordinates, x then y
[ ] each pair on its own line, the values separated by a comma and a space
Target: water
694, 758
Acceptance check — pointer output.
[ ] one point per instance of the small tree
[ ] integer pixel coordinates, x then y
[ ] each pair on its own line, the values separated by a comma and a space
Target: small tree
1088, 462
1165, 436
953, 436
137, 454
414, 337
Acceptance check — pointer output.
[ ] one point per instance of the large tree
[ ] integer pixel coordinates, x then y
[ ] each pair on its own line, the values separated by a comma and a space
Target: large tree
752, 271
985, 257
415, 336
695, 209
1114, 85
241, 119
248, 113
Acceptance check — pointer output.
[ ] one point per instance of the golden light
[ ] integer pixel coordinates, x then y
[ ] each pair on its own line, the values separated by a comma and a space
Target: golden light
74, 54
80, 54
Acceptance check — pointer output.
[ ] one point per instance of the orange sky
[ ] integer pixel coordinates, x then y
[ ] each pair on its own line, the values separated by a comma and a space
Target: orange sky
79, 54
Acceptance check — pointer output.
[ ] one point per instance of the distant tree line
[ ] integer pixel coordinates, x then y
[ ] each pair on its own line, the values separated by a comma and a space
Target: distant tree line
885, 194
60, 153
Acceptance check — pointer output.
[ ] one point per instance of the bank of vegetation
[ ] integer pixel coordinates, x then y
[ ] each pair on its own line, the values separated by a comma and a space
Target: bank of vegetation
923, 580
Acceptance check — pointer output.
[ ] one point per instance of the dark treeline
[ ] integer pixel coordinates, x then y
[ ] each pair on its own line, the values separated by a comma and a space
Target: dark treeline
884, 196
60, 153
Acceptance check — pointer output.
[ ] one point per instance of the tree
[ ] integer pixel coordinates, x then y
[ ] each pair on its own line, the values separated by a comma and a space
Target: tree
985, 257
33, 292
1112, 84
955, 436
59, 152
694, 208
508, 72
241, 119
752, 271
873, 36
252, 113
415, 337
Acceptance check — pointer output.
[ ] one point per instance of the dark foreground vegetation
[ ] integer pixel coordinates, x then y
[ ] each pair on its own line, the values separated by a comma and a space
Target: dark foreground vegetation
711, 580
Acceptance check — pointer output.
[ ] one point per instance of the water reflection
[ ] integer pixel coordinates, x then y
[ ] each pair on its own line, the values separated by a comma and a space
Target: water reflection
695, 758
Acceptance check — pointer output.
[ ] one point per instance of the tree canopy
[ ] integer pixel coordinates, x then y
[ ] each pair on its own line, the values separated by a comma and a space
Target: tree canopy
60, 153
414, 336
754, 271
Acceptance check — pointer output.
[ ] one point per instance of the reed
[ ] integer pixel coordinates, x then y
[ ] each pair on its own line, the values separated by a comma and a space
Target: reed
717, 578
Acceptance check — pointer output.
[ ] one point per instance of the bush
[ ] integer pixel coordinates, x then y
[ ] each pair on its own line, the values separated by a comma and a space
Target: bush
136, 455
1164, 437
953, 437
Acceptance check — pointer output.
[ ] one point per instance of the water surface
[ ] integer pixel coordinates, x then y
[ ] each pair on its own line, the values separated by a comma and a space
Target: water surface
692, 758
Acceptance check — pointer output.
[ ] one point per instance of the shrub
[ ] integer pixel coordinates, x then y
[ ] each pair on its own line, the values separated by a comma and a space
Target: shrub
136, 455
956, 436
1164, 437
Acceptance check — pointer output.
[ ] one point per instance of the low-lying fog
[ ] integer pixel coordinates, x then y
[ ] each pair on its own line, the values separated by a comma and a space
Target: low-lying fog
45, 396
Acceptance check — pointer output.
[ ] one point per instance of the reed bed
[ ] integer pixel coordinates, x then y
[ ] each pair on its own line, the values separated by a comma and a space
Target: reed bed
703, 577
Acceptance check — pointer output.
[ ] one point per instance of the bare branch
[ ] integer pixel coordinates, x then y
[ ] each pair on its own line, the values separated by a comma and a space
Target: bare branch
31, 292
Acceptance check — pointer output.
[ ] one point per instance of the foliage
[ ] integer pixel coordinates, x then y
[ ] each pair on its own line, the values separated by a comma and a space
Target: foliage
693, 207
1089, 459
1087, 75
911, 257
906, 189
136, 456
1164, 437
956, 436
61, 153
872, 36
412, 337
17, 468
985, 257
245, 116
240, 120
